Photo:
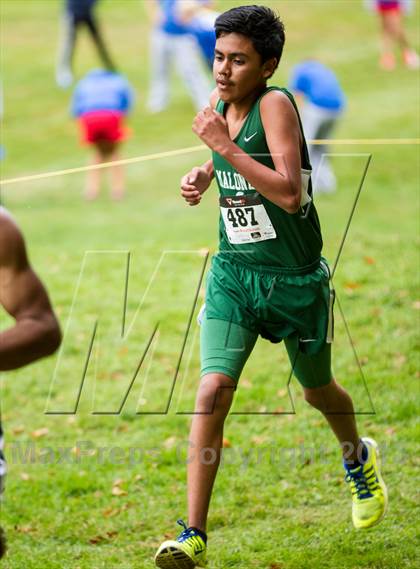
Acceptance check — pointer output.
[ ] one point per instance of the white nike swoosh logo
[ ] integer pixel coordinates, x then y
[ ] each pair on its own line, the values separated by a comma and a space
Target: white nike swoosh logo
248, 138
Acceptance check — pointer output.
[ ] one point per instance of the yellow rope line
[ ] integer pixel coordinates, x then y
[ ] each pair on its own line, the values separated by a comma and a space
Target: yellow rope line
134, 160
189, 149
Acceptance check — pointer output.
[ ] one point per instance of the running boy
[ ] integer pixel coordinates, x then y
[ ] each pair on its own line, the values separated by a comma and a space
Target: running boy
269, 278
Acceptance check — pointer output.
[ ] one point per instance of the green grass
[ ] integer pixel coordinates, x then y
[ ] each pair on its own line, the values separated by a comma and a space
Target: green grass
280, 501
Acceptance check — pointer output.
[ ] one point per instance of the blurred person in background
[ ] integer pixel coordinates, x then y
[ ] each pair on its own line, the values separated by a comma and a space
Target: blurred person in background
35, 332
322, 102
391, 14
101, 101
199, 16
78, 13
171, 40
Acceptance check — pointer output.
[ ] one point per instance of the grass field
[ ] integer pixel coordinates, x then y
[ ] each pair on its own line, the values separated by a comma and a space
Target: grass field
280, 500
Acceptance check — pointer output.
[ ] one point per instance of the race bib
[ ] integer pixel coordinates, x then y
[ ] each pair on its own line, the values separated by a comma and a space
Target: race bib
246, 219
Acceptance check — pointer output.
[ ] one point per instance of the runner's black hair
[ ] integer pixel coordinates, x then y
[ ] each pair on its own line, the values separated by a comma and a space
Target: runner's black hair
258, 23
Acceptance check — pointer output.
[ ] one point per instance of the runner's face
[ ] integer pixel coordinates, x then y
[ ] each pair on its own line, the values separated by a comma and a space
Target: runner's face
237, 68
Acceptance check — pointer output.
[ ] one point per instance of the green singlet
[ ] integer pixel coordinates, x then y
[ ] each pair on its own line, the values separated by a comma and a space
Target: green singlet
268, 278
283, 240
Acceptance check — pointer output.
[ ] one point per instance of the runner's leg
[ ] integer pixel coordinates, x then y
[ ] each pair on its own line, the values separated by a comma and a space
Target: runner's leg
322, 392
225, 348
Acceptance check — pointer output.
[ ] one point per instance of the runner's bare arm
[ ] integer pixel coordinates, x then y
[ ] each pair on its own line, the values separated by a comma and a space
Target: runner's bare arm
36, 332
197, 181
208, 166
281, 186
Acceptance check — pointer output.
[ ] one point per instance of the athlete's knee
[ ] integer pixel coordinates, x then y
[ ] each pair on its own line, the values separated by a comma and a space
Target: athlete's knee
330, 398
319, 397
313, 398
215, 393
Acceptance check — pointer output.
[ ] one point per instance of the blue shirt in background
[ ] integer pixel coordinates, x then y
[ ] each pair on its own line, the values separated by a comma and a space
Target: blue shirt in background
102, 90
80, 8
318, 84
202, 28
171, 24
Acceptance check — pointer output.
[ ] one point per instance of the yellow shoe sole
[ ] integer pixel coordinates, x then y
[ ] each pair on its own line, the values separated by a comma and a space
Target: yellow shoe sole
170, 556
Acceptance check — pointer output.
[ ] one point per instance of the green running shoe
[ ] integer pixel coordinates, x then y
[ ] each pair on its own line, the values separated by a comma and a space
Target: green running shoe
369, 493
186, 552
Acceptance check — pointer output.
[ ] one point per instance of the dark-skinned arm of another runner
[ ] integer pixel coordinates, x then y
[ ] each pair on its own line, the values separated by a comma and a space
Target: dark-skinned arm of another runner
36, 332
